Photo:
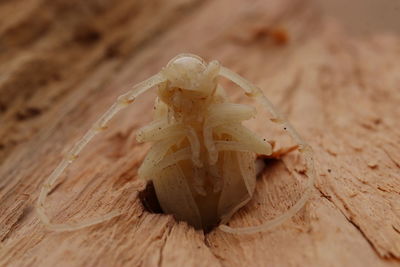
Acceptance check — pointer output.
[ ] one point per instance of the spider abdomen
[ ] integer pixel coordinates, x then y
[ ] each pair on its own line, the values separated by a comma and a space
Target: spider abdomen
205, 196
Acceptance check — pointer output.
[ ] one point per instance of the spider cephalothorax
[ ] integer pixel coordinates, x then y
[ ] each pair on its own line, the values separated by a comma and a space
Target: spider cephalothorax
190, 85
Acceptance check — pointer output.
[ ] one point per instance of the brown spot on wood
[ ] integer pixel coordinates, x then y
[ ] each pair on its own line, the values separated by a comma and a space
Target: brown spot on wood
354, 194
260, 33
28, 113
87, 35
263, 33
113, 50
280, 36
372, 165
3, 107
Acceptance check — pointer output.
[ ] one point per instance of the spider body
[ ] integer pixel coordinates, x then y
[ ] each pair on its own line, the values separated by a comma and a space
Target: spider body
202, 161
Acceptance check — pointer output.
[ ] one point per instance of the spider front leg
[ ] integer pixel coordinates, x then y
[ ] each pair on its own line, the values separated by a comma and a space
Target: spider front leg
253, 91
122, 102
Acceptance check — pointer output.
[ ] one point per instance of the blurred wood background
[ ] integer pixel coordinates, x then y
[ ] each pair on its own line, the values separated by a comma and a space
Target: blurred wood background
63, 62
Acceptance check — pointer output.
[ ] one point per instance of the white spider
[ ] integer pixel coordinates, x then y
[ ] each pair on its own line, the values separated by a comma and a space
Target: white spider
202, 160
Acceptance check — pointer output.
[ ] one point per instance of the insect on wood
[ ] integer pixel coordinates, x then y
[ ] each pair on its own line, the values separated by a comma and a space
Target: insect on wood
202, 161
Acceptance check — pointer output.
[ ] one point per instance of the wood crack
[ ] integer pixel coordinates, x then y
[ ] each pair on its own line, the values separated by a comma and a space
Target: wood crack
329, 198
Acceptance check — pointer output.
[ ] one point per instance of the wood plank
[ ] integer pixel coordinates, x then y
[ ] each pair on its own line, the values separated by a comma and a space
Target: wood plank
340, 91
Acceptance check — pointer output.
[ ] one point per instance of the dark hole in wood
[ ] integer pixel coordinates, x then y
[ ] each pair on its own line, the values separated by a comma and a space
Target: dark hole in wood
269, 162
149, 199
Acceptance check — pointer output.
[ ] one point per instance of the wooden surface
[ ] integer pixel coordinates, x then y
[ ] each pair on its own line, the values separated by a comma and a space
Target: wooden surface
62, 63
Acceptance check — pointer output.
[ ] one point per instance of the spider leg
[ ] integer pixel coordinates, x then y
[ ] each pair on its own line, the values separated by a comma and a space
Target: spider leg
155, 155
245, 138
222, 114
253, 91
171, 159
122, 102
165, 134
195, 146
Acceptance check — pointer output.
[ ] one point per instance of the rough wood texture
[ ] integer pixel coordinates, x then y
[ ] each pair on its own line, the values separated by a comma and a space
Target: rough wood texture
63, 62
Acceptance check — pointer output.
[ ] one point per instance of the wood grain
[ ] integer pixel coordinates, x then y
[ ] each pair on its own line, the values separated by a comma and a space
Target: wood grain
62, 63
